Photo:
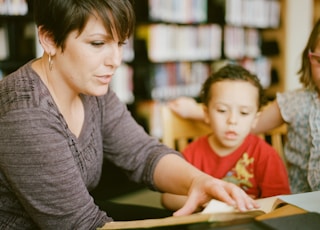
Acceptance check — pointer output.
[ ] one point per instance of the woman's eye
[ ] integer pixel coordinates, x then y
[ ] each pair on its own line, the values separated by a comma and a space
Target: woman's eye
244, 113
122, 44
97, 43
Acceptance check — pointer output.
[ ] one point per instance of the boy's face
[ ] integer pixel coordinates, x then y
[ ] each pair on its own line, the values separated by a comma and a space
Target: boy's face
231, 113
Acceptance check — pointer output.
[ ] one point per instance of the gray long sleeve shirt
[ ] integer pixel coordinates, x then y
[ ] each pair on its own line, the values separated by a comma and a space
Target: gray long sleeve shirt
46, 171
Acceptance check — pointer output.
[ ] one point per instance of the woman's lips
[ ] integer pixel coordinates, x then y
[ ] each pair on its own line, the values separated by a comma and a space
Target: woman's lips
106, 79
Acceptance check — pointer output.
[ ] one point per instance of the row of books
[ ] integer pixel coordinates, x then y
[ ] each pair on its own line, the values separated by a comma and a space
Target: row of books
203, 42
13, 7
240, 42
253, 13
178, 43
261, 67
178, 11
172, 80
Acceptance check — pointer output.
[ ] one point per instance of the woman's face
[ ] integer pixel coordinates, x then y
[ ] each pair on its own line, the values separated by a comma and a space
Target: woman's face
89, 60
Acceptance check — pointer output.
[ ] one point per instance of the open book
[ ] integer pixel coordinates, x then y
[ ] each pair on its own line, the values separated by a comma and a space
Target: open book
220, 212
266, 205
308, 201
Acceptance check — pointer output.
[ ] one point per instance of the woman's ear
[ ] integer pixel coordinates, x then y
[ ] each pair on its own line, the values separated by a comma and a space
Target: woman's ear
47, 42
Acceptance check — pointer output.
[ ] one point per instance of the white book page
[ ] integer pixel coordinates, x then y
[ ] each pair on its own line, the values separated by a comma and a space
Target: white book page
309, 201
265, 204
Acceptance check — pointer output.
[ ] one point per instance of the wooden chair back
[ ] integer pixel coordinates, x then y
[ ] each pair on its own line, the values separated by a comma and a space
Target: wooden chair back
276, 137
178, 132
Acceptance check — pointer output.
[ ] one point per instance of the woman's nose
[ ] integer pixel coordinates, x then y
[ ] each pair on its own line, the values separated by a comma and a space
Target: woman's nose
115, 56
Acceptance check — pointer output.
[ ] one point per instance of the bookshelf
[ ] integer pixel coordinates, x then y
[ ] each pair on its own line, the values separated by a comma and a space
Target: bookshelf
185, 42
17, 35
316, 10
275, 40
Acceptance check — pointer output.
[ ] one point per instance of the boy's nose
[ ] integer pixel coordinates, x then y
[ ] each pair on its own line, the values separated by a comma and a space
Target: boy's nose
232, 119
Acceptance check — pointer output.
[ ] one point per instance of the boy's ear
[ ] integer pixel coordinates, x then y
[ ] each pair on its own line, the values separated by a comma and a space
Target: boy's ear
206, 114
255, 121
47, 42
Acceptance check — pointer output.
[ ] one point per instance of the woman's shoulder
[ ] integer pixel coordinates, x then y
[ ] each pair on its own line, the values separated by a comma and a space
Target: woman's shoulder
295, 95
21, 90
260, 144
295, 104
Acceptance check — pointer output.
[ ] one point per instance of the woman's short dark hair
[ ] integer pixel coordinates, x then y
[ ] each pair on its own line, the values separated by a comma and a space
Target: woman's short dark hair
232, 72
60, 17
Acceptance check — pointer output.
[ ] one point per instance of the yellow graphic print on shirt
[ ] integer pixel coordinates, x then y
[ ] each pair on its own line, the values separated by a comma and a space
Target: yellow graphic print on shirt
241, 173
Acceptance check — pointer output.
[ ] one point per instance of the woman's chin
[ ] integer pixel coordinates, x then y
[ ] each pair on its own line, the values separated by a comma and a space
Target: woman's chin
99, 91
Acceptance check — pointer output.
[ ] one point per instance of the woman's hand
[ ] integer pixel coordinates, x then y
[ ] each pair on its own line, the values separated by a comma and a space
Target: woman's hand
204, 188
175, 175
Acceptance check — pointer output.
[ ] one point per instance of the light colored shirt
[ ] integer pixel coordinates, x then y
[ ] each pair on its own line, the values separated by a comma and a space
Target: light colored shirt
301, 110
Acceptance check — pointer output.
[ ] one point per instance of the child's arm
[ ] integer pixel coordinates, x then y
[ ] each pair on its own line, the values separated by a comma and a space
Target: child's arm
187, 107
269, 118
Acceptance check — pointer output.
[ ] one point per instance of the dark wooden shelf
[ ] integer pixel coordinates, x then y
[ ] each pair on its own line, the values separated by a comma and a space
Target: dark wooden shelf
11, 64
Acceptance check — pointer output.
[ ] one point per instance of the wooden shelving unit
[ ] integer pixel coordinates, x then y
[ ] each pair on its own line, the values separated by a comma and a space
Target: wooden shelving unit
279, 36
316, 10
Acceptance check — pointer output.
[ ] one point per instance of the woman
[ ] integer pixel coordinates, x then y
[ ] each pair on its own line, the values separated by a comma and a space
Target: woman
59, 119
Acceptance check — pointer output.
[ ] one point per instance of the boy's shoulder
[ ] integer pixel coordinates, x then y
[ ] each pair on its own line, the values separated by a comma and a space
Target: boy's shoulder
201, 142
259, 142
261, 147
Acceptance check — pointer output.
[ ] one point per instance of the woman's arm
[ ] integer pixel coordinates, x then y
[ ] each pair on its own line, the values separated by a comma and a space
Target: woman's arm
173, 202
175, 175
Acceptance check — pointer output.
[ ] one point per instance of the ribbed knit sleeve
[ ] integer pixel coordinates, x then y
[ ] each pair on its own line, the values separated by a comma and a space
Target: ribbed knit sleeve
127, 144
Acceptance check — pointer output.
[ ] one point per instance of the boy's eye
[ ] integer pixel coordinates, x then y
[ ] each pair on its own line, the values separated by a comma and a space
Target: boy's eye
221, 110
244, 113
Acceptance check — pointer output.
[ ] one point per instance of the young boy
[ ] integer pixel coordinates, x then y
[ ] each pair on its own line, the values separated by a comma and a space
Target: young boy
232, 98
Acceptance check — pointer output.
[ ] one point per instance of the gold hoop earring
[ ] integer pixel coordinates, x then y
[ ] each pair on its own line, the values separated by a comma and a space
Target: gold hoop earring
50, 62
